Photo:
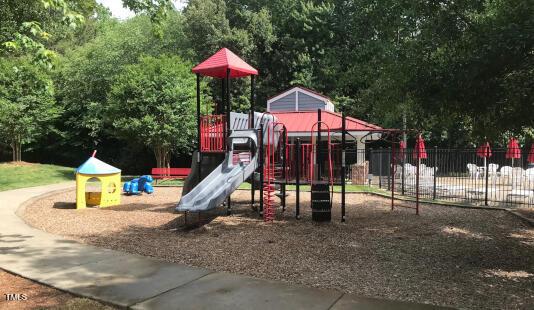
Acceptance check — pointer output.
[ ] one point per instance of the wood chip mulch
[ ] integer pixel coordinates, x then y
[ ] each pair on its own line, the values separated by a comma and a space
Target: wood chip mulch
465, 258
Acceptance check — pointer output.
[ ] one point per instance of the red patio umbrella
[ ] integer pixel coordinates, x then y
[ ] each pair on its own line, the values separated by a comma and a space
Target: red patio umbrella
484, 151
513, 151
531, 154
420, 151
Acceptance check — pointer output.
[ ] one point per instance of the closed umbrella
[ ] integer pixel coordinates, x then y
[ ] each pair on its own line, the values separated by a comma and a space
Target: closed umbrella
513, 151
420, 151
531, 154
484, 151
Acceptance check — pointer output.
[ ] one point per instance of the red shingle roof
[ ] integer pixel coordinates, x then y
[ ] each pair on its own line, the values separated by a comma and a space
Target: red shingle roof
303, 121
217, 64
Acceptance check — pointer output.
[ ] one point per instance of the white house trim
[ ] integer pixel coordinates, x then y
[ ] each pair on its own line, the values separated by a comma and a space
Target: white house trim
297, 101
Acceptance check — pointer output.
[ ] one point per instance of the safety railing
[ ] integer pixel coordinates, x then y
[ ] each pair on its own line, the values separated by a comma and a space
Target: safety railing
212, 133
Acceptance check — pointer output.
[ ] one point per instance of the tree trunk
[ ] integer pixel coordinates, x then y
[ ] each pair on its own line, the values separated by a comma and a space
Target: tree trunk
162, 154
16, 150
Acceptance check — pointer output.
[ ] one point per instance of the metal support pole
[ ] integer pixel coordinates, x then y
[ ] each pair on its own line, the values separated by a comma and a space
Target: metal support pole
435, 171
260, 166
251, 126
228, 129
392, 172
284, 175
199, 141
486, 171
343, 168
417, 183
297, 181
389, 165
319, 158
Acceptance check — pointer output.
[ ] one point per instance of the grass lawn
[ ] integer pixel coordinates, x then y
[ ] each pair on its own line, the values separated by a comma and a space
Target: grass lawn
26, 174
337, 189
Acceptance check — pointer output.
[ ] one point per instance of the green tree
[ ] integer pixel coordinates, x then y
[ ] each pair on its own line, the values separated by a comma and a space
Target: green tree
27, 107
153, 102
85, 75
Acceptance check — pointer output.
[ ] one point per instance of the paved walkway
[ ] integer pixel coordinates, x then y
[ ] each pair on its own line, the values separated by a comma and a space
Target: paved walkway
142, 283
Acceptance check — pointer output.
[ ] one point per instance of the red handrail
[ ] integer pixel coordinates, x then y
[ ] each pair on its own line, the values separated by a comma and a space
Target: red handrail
212, 133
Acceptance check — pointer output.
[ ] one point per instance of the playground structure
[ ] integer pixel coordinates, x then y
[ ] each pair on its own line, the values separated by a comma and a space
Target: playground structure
254, 147
110, 180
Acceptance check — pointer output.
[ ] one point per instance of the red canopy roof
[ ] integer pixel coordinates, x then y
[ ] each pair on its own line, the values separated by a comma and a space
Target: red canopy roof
224, 59
303, 121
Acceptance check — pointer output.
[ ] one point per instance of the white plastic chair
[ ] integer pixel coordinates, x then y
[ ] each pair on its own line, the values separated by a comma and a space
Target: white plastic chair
473, 171
506, 171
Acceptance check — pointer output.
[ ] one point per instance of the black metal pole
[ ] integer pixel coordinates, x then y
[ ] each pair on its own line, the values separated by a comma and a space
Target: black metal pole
486, 151
228, 129
284, 175
435, 170
392, 173
260, 166
417, 182
199, 166
343, 169
297, 181
222, 105
318, 154
389, 166
251, 126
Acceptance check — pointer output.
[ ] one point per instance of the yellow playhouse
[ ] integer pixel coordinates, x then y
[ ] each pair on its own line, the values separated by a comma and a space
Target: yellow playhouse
110, 180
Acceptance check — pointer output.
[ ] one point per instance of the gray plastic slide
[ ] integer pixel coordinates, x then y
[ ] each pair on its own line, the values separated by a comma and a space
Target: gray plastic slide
223, 180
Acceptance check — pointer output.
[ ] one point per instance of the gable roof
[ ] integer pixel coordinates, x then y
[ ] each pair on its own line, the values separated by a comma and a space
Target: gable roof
95, 166
304, 89
307, 119
217, 64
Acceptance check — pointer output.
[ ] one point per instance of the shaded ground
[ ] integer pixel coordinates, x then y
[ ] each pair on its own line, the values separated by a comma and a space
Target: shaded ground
39, 296
456, 257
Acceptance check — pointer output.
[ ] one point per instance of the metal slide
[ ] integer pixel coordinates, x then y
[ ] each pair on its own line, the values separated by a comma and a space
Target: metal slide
226, 178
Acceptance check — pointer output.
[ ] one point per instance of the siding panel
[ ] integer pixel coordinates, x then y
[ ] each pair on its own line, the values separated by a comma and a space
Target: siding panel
286, 103
308, 103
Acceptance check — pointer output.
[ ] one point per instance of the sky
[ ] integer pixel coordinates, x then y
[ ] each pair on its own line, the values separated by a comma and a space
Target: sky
115, 6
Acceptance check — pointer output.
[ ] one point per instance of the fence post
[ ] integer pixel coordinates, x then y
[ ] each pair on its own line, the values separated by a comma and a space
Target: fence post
417, 183
435, 170
487, 178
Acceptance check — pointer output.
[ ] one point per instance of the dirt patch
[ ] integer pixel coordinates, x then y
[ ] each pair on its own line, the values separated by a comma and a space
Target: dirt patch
464, 258
27, 294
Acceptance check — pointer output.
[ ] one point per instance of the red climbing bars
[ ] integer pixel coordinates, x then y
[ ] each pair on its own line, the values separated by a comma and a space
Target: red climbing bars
268, 174
212, 133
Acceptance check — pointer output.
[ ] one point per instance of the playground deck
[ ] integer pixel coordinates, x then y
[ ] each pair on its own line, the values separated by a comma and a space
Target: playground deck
464, 258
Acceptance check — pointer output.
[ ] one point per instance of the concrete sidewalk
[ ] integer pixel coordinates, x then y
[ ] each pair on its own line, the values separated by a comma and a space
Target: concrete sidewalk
143, 283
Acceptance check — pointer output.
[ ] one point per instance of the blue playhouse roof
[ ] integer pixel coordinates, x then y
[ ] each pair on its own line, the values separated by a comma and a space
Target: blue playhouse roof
96, 166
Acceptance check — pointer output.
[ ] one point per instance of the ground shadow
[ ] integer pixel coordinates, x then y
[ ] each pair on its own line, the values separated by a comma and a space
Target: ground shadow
64, 205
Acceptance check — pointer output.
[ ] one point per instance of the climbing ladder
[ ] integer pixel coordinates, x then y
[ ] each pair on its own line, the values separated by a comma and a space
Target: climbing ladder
268, 175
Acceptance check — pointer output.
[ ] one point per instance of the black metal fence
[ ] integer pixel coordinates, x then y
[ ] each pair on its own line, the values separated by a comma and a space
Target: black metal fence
455, 175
